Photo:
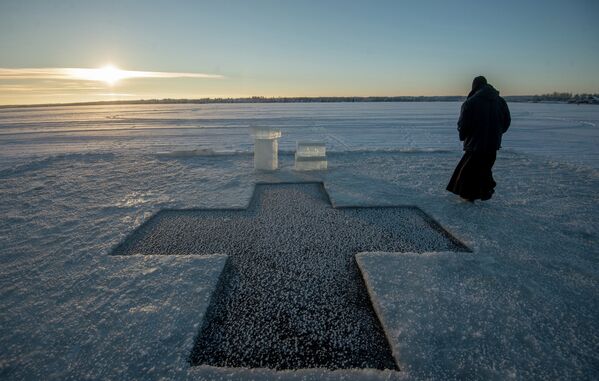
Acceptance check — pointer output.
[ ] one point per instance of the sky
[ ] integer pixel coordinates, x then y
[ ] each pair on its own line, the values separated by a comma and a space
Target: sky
49, 50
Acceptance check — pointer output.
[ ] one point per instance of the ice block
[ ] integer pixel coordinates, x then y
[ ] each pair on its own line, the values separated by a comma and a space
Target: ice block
310, 156
266, 148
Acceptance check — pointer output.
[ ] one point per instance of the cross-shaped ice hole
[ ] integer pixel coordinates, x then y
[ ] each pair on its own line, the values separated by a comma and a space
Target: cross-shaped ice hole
291, 295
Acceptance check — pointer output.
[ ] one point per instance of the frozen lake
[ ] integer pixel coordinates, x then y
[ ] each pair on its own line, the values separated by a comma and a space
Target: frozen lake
559, 131
75, 181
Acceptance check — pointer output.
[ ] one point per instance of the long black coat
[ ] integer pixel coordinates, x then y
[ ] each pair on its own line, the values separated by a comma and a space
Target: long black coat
484, 118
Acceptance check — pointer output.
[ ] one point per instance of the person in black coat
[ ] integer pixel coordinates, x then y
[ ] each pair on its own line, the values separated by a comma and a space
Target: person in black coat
484, 118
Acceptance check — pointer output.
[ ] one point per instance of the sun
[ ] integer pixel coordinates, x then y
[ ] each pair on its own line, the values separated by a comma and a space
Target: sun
108, 74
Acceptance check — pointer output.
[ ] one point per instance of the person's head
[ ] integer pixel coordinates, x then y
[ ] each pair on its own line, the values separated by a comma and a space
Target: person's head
478, 83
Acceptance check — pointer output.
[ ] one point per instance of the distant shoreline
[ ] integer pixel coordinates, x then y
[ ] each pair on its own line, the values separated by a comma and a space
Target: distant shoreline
449, 98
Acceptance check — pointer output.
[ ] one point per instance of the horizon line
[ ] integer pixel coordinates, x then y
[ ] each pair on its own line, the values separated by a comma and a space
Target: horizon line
274, 99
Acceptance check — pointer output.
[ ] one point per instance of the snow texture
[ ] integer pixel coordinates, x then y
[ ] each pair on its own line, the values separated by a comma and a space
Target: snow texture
291, 296
75, 181
127, 317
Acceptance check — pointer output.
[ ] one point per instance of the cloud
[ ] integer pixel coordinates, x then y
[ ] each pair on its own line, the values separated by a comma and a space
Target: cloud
105, 74
45, 88
115, 95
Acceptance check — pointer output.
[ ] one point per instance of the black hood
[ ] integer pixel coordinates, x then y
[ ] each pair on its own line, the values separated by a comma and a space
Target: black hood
487, 92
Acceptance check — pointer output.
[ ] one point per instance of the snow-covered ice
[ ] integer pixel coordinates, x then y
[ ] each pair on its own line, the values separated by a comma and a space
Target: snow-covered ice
291, 295
75, 181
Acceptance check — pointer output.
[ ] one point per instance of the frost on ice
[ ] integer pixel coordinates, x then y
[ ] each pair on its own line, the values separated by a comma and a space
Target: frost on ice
75, 181
291, 296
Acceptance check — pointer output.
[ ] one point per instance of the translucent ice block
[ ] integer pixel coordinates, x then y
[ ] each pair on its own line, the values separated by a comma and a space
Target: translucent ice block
307, 149
266, 154
310, 163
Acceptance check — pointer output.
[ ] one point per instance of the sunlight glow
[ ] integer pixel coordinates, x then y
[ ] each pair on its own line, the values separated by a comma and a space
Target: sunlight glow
108, 74
111, 74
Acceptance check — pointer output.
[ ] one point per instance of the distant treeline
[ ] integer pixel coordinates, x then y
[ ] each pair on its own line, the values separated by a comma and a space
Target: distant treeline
555, 97
258, 99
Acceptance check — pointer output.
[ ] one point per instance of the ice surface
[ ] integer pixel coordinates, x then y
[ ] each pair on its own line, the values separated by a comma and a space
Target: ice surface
265, 133
289, 300
74, 181
565, 133
122, 319
185, 153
